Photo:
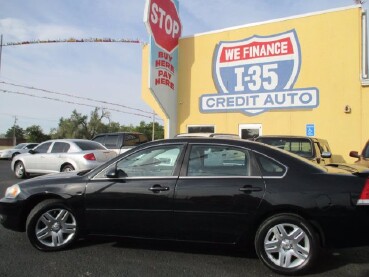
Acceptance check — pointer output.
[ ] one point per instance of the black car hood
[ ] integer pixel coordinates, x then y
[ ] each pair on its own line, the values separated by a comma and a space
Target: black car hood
62, 176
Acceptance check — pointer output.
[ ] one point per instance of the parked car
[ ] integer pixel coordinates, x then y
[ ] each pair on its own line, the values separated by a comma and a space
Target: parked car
200, 190
363, 158
59, 156
122, 141
18, 149
314, 149
210, 135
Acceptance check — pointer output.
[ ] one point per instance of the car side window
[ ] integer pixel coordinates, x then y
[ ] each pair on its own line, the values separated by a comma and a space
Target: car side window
154, 161
42, 148
270, 167
131, 140
60, 147
111, 141
99, 139
31, 146
219, 160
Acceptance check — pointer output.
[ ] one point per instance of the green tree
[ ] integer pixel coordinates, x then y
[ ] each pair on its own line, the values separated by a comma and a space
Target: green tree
95, 125
146, 128
34, 133
19, 132
80, 126
73, 127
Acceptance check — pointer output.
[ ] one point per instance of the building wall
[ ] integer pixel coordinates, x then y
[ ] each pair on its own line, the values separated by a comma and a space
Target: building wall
330, 44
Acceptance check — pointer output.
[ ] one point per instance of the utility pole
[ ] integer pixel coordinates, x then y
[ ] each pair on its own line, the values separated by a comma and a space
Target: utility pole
153, 126
1, 49
14, 137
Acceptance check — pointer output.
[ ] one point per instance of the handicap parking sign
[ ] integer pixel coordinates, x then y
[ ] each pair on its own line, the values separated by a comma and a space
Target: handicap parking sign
310, 130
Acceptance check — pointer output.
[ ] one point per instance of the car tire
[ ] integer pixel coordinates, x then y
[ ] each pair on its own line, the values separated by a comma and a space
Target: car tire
51, 226
287, 244
19, 170
67, 168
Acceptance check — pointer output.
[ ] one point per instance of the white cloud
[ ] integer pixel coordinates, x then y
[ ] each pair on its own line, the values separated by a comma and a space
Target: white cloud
19, 30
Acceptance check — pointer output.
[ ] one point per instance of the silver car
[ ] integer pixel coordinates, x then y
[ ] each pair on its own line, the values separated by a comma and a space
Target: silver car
61, 155
18, 149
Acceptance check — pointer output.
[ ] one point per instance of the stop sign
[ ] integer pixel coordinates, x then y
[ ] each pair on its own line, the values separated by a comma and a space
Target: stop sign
162, 21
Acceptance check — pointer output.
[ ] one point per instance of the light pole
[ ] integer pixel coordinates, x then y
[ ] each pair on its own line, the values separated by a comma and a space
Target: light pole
153, 126
14, 137
1, 49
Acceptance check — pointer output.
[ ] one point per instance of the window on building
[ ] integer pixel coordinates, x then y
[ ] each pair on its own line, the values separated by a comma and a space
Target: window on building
201, 129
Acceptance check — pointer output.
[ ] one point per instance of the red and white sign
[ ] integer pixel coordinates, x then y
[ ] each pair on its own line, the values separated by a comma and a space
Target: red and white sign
162, 21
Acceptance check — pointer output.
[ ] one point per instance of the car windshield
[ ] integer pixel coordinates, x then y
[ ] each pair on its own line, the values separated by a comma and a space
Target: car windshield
89, 145
20, 146
299, 146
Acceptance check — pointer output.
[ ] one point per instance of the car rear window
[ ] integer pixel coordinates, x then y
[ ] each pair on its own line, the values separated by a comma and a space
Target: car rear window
89, 145
270, 167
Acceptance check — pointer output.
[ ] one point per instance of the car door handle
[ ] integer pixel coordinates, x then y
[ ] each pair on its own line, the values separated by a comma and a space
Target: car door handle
158, 188
250, 189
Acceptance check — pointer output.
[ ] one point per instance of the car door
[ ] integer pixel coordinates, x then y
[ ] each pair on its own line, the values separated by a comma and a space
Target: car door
217, 193
134, 196
57, 156
36, 161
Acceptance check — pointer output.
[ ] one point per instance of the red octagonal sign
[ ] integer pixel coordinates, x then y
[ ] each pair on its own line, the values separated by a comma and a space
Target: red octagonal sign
162, 21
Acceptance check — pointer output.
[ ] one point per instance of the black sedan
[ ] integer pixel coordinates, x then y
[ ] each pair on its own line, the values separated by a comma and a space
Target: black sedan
201, 190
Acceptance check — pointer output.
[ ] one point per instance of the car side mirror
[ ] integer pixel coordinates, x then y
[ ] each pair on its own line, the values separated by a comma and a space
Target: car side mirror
354, 154
32, 151
326, 154
114, 173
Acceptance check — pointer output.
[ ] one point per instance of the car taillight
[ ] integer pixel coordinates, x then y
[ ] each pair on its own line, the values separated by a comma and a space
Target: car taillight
364, 197
90, 157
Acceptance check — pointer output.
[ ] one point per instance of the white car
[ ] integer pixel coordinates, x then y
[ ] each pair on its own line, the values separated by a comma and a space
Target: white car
61, 155
18, 149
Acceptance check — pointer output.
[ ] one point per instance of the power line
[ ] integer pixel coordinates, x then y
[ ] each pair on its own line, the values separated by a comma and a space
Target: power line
29, 117
69, 102
74, 40
78, 97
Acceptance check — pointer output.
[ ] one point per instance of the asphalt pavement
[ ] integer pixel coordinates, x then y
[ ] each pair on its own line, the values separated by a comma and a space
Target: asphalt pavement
127, 257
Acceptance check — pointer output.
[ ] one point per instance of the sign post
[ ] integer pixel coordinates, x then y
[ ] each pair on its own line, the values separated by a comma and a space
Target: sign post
164, 26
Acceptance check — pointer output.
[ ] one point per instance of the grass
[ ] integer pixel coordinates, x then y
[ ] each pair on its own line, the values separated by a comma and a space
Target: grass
4, 147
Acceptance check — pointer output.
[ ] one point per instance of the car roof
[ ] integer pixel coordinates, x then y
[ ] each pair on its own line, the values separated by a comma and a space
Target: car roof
206, 135
118, 133
68, 140
289, 136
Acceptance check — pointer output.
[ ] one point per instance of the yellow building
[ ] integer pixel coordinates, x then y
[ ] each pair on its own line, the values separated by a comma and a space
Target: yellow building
302, 75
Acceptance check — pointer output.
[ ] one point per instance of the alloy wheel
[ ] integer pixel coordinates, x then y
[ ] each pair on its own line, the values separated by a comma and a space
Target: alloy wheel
287, 245
56, 228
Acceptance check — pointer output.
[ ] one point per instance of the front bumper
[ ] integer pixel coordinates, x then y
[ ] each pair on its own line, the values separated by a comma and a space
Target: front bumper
5, 155
11, 214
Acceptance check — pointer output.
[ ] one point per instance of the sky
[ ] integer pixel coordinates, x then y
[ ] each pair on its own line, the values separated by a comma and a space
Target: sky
102, 72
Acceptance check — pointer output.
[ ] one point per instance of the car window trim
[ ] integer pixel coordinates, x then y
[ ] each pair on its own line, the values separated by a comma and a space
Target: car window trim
278, 162
183, 173
176, 171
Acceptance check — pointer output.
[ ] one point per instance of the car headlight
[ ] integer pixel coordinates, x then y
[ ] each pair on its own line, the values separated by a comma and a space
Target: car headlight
12, 192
